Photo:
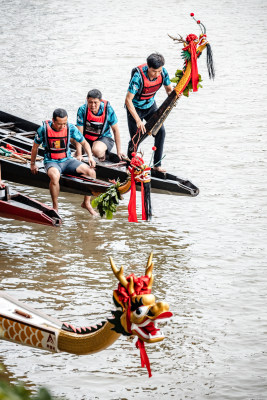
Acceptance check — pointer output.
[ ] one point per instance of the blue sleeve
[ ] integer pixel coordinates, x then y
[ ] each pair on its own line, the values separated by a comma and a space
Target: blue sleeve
112, 117
80, 115
39, 136
76, 134
135, 83
166, 79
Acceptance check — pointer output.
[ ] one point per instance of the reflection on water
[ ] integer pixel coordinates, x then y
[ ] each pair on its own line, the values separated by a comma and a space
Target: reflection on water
208, 251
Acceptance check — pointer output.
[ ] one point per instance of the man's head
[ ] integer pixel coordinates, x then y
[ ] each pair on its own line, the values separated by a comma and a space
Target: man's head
155, 63
93, 100
60, 119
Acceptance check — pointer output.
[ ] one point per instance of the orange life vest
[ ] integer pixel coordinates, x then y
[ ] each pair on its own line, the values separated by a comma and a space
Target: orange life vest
57, 143
94, 125
149, 88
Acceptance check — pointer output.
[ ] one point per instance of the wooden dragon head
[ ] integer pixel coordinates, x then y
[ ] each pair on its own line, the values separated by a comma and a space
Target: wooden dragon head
138, 312
139, 173
193, 48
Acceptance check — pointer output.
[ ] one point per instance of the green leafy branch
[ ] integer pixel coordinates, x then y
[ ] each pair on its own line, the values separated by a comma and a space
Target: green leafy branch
189, 88
19, 392
106, 203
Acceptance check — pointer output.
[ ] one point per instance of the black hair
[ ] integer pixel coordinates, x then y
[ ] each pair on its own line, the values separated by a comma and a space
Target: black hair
59, 112
155, 60
95, 93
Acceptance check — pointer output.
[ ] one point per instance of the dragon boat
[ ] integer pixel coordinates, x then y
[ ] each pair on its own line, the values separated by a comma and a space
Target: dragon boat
21, 207
137, 314
20, 133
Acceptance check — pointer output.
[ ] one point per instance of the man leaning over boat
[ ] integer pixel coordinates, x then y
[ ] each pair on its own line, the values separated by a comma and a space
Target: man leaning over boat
55, 136
146, 80
94, 120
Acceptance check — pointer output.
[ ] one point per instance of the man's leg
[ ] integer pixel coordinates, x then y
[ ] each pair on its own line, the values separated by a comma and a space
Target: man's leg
54, 176
159, 143
99, 150
86, 170
158, 139
132, 130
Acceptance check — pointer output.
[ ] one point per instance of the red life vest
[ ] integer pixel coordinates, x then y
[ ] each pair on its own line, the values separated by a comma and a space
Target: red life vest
94, 125
57, 143
149, 88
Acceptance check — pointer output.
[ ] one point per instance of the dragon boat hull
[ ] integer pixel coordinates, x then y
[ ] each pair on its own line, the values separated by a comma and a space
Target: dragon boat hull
18, 206
22, 324
20, 133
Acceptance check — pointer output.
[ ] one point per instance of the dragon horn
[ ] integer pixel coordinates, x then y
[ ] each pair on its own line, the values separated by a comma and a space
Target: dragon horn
131, 286
150, 284
181, 40
149, 266
149, 269
118, 273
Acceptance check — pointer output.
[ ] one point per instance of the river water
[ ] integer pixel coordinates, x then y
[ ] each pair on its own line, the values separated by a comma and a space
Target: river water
209, 251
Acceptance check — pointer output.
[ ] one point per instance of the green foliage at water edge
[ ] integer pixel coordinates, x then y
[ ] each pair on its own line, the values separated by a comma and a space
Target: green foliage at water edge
106, 203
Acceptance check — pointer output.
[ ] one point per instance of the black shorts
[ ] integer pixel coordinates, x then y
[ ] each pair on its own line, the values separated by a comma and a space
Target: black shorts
108, 141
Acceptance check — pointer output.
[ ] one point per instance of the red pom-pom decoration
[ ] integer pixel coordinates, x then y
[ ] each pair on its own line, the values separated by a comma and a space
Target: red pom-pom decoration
198, 22
192, 14
154, 148
133, 154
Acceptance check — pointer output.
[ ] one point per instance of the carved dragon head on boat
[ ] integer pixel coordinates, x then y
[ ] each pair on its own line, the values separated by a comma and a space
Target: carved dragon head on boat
193, 48
138, 310
138, 313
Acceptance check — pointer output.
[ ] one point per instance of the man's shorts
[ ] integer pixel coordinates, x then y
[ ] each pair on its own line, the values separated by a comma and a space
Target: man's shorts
65, 167
108, 141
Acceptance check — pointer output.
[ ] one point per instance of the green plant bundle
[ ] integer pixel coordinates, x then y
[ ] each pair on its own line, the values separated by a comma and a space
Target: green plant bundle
19, 392
178, 76
106, 203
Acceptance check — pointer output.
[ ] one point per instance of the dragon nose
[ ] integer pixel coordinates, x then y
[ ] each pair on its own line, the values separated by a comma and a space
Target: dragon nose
159, 308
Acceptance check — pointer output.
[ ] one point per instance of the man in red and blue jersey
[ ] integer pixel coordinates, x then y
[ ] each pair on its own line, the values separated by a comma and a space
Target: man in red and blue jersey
95, 120
146, 80
55, 136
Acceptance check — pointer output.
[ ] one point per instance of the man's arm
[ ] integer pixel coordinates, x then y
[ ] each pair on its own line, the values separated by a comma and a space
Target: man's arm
168, 89
129, 104
34, 168
117, 137
88, 151
79, 155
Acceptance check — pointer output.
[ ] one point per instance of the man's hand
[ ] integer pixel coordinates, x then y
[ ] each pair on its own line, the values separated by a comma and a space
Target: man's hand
121, 155
91, 162
79, 157
141, 126
34, 169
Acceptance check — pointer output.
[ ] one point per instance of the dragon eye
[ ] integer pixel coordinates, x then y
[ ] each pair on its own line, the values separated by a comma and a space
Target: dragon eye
140, 311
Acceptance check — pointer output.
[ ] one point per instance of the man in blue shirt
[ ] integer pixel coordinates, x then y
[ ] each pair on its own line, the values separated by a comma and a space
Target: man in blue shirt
140, 100
94, 120
55, 136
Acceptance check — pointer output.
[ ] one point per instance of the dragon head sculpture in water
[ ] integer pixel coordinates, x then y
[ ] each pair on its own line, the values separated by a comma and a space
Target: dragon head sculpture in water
137, 315
138, 312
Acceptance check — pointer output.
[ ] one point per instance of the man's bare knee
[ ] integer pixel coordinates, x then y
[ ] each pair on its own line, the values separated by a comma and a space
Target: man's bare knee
86, 170
54, 175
